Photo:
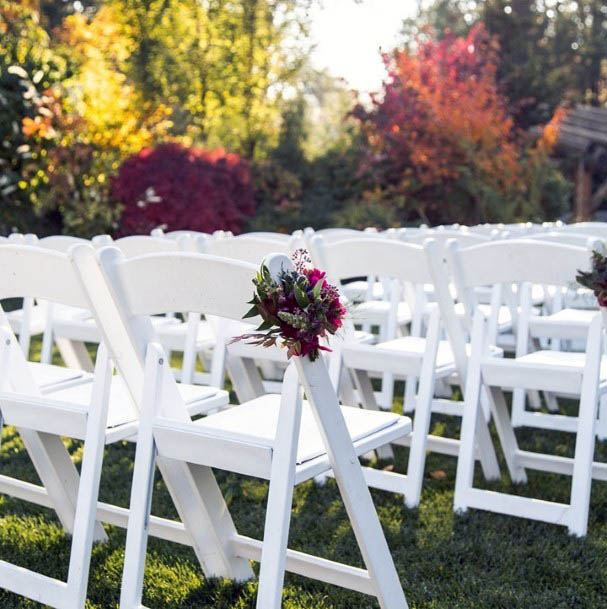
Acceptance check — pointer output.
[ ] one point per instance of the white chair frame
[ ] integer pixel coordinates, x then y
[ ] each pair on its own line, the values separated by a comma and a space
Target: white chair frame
186, 453
528, 261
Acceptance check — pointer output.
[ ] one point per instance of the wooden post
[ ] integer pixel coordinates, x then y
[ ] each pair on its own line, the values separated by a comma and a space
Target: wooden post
583, 192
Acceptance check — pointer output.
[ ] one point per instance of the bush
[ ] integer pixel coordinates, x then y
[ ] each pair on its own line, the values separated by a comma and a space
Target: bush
183, 188
277, 198
441, 145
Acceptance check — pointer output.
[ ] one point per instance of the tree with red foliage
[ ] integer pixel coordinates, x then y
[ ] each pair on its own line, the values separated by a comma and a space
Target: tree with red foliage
440, 143
183, 188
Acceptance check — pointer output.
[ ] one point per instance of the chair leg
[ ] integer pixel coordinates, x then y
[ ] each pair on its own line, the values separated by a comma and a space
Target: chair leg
58, 475
423, 415
506, 435
601, 432
280, 497
131, 590
535, 401
474, 424
472, 421
486, 451
188, 364
88, 489
387, 391
519, 400
581, 479
410, 393
46, 352
472, 418
346, 388
352, 486
551, 401
367, 397
419, 441
74, 354
245, 378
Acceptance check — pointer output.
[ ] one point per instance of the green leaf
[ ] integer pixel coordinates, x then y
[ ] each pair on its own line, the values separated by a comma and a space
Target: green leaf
265, 325
317, 288
301, 297
252, 312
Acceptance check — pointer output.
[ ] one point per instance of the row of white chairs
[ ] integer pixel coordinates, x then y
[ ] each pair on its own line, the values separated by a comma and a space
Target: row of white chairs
282, 438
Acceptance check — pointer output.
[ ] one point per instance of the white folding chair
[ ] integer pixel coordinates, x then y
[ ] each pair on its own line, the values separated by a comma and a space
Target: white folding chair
279, 438
239, 359
594, 229
176, 234
70, 329
30, 319
359, 290
42, 418
573, 374
281, 237
415, 359
556, 324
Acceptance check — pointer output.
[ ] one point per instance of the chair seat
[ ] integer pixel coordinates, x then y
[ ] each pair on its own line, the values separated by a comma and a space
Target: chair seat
80, 326
376, 312
122, 410
547, 370
366, 338
567, 324
504, 317
37, 323
567, 360
173, 335
250, 429
402, 356
356, 291
48, 376
64, 412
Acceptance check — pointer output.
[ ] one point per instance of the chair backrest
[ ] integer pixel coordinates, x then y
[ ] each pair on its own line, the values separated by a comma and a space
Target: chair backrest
176, 234
411, 265
370, 257
339, 234
30, 272
246, 249
123, 292
515, 261
138, 245
486, 229
576, 239
27, 271
597, 229
282, 237
464, 238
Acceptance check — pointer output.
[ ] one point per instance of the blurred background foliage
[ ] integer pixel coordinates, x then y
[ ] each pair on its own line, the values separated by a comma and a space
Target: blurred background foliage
86, 85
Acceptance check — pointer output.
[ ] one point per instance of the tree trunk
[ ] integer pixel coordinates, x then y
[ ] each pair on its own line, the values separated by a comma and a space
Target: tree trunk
583, 193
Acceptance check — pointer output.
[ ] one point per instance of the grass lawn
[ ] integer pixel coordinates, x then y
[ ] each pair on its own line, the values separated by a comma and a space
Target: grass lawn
445, 561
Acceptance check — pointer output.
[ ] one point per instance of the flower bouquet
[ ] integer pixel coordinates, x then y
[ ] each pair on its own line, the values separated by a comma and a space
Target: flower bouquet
298, 308
596, 278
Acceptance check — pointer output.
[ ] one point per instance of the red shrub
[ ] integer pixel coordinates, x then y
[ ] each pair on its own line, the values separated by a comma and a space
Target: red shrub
183, 188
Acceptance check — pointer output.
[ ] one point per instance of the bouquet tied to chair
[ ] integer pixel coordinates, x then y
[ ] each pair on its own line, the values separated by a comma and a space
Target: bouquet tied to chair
298, 308
596, 278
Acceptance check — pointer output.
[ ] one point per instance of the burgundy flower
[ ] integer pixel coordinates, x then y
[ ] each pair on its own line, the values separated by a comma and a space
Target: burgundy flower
298, 309
314, 276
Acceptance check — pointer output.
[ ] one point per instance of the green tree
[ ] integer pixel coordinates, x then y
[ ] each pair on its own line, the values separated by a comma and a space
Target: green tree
550, 50
28, 71
221, 66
